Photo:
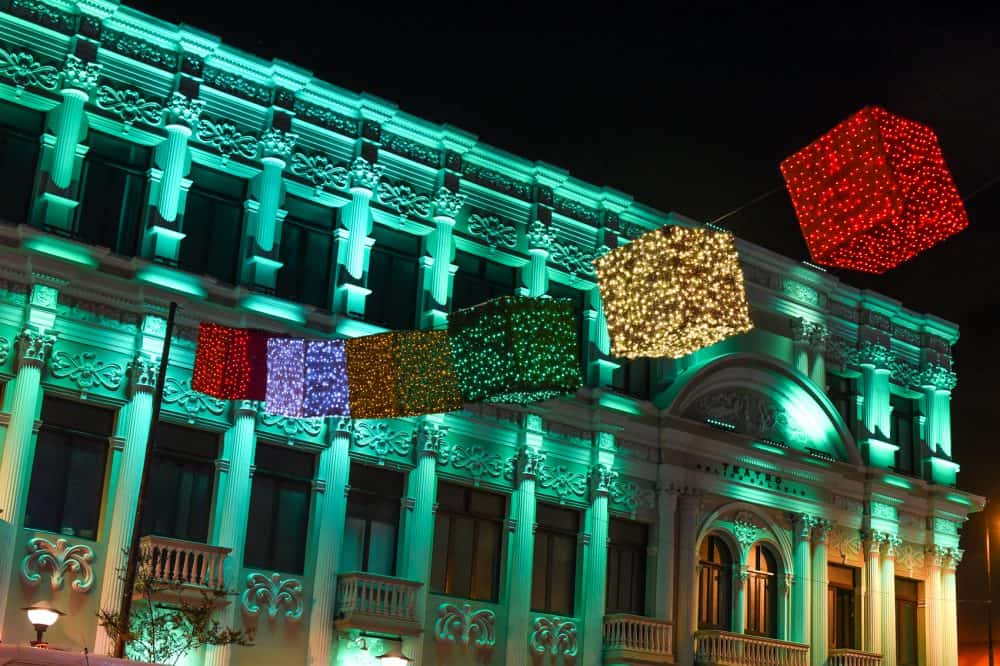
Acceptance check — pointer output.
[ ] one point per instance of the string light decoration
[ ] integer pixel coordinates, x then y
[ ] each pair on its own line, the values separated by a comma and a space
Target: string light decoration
230, 363
307, 378
516, 349
873, 192
401, 373
672, 291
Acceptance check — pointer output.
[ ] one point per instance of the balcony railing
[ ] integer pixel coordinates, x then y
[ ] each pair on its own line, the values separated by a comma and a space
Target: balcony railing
377, 603
184, 563
634, 638
845, 657
722, 648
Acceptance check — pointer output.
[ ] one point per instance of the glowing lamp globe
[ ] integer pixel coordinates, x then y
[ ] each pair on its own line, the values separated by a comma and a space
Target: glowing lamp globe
230, 363
873, 192
401, 373
672, 291
516, 349
307, 378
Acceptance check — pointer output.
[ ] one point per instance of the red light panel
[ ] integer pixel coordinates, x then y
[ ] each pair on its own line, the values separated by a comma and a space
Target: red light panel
230, 363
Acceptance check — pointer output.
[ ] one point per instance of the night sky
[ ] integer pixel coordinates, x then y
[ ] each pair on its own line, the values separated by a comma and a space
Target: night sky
691, 110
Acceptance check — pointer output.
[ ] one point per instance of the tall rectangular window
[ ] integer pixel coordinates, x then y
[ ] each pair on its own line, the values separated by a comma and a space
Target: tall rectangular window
393, 279
20, 132
467, 533
114, 186
213, 224
842, 392
306, 253
628, 542
372, 524
902, 433
841, 596
278, 524
479, 280
178, 503
67, 476
907, 643
553, 584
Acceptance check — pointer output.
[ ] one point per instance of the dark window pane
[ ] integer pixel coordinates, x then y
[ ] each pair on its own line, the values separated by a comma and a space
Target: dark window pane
213, 224
306, 253
554, 585
714, 585
626, 572
114, 185
20, 135
393, 279
479, 280
278, 523
467, 542
373, 506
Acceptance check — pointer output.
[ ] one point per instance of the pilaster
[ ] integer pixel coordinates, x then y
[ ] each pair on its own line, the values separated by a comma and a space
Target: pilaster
876, 405
436, 266
819, 641
595, 562
535, 274
687, 575
666, 524
892, 542
354, 240
741, 574
934, 622
802, 526
264, 212
936, 383
949, 608
873, 593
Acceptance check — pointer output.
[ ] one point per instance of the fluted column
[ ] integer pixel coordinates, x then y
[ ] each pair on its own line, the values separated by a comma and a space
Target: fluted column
949, 609
595, 564
33, 349
934, 622
232, 510
873, 593
740, 577
264, 213
892, 542
133, 428
687, 577
663, 596
438, 269
801, 621
521, 553
876, 411
535, 274
354, 241
819, 642
328, 537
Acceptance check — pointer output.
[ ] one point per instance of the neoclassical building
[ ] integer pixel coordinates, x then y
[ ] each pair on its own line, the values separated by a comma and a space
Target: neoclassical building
784, 498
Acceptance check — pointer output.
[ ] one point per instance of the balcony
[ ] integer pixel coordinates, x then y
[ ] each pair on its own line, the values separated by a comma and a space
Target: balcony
371, 602
635, 639
188, 567
722, 648
844, 657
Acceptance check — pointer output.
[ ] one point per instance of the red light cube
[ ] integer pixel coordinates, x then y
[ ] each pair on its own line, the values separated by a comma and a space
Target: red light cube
230, 363
873, 192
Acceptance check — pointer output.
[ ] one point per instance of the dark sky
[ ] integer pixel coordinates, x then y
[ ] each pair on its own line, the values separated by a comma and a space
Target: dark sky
690, 110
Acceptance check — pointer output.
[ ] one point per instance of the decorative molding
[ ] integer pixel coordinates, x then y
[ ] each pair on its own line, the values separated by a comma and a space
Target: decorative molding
562, 481
129, 105
627, 494
318, 170
4, 349
492, 230
410, 149
751, 413
191, 402
139, 49
86, 371
403, 199
382, 440
475, 460
554, 635
291, 426
238, 86
44, 14
575, 210
23, 71
227, 139
466, 627
495, 180
58, 558
324, 117
746, 529
573, 259
274, 594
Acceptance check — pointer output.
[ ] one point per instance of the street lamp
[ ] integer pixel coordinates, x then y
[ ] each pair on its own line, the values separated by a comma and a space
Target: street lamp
395, 658
42, 616
989, 590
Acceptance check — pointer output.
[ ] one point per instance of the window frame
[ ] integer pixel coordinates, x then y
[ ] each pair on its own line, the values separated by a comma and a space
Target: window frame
478, 518
369, 516
640, 571
557, 532
839, 592
762, 586
722, 583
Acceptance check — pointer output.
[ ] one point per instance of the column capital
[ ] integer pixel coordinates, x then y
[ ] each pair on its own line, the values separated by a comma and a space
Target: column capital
953, 559
529, 461
802, 525
447, 204
33, 347
936, 377
602, 477
874, 354
142, 373
430, 437
821, 529
741, 575
277, 143
811, 334
873, 540
182, 110
80, 75
934, 555
539, 237
364, 175
343, 426
245, 408
889, 546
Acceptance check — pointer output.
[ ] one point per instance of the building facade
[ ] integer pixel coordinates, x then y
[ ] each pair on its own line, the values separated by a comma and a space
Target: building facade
785, 498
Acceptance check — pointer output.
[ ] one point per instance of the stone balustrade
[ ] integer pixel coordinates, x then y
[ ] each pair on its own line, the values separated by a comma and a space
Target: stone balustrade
184, 563
723, 648
636, 638
374, 602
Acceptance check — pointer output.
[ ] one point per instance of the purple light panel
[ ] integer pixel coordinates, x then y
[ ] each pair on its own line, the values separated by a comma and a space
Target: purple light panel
285, 376
307, 378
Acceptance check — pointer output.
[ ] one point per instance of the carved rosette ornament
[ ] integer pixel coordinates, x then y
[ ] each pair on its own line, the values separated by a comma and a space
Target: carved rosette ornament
529, 463
602, 478
466, 627
33, 348
553, 635
59, 559
142, 374
745, 529
184, 111
80, 75
447, 204
277, 143
273, 594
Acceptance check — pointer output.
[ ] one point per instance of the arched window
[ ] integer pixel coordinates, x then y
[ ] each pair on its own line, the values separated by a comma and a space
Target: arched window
715, 580
762, 593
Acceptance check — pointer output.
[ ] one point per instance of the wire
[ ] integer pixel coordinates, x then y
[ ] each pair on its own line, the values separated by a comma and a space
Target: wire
753, 201
982, 188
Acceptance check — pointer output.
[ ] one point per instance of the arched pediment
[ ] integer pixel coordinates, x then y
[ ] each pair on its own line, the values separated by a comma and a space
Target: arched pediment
763, 398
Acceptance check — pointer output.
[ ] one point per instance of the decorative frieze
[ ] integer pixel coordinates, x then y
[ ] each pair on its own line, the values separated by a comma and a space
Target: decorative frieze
465, 627
380, 439
22, 70
139, 49
628, 496
86, 371
417, 152
553, 635
324, 117
474, 460
495, 180
292, 427
59, 559
191, 402
238, 86
403, 199
492, 230
129, 106
574, 259
227, 139
44, 14
273, 594
563, 481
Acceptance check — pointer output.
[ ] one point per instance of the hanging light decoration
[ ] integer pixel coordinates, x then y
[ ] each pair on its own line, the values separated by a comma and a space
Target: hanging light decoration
401, 373
230, 363
873, 192
672, 291
516, 349
306, 378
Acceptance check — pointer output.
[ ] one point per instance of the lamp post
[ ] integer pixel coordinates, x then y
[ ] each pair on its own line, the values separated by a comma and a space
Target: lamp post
41, 616
989, 591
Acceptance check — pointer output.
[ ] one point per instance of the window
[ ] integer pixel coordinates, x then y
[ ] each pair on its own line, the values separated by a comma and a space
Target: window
20, 131
554, 574
632, 378
842, 394
213, 224
715, 584
67, 477
906, 622
478, 280
113, 198
902, 433
181, 479
467, 534
307, 253
577, 297
278, 523
626, 587
372, 520
841, 597
393, 279
762, 593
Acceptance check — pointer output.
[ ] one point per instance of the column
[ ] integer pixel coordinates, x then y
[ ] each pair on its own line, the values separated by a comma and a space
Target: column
438, 271
33, 349
817, 346
892, 542
168, 189
819, 642
933, 598
937, 383
232, 511
800, 345
521, 548
873, 594
741, 575
595, 574
328, 536
535, 274
801, 622
354, 241
687, 577
264, 214
663, 595
63, 154
133, 428
949, 608
597, 343
876, 413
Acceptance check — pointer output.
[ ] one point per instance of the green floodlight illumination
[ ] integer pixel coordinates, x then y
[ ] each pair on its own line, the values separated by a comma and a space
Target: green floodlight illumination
172, 280
897, 481
620, 403
716, 423
61, 249
815, 461
770, 448
821, 455
275, 307
757, 462
958, 499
